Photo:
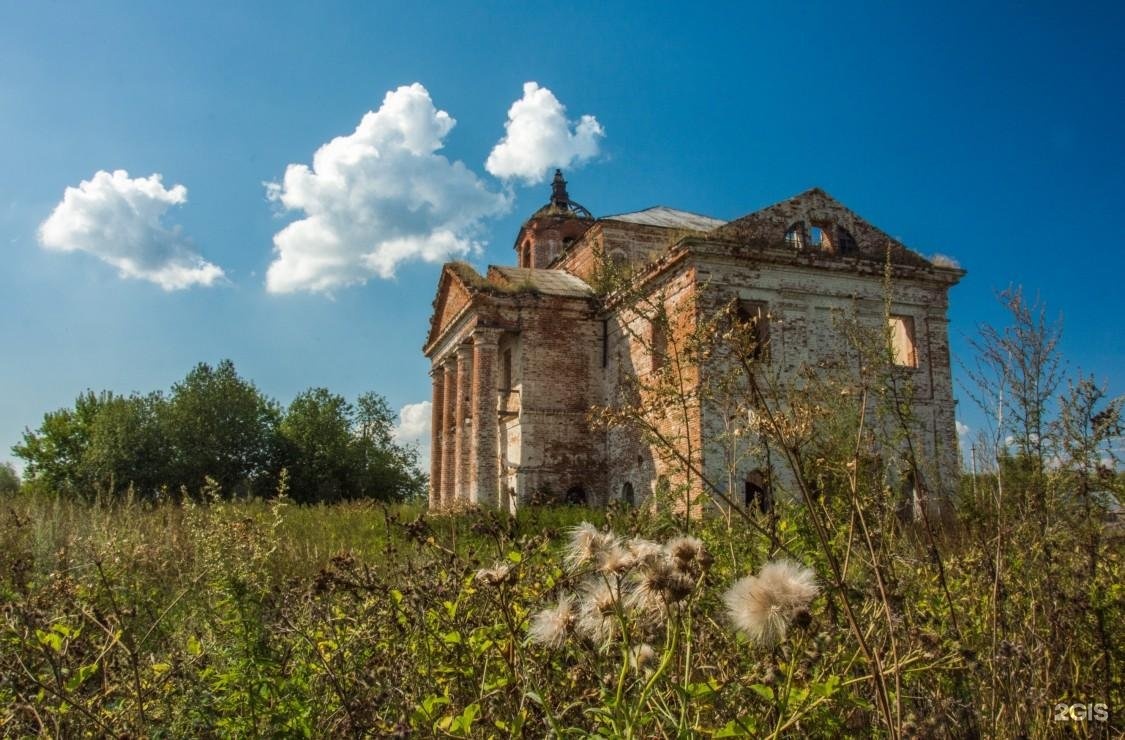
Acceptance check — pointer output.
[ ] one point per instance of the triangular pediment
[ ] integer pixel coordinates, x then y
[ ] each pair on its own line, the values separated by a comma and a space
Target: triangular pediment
816, 209
454, 294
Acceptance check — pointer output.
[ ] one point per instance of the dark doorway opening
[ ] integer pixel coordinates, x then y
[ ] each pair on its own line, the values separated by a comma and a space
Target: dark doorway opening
757, 491
576, 496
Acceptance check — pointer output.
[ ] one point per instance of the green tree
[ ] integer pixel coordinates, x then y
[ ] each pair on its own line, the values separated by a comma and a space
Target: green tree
55, 452
335, 450
9, 480
318, 439
126, 446
220, 425
387, 470
105, 444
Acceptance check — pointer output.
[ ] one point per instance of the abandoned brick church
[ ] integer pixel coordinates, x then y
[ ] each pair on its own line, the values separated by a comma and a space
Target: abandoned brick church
521, 354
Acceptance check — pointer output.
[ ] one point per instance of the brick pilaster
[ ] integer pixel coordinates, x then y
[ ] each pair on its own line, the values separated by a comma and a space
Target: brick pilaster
462, 442
485, 446
449, 414
437, 424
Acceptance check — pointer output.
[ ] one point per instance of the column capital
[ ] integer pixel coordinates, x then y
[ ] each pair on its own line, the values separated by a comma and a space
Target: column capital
465, 351
486, 335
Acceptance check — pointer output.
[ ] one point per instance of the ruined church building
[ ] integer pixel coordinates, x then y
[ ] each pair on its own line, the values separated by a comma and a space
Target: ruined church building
521, 354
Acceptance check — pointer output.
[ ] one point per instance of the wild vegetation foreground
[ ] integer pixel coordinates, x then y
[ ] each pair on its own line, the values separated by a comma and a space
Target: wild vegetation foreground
270, 619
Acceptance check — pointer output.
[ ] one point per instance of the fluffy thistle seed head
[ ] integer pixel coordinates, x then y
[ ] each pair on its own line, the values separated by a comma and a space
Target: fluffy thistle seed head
657, 584
684, 548
616, 560
763, 606
597, 612
643, 549
641, 657
689, 554
552, 626
587, 544
499, 574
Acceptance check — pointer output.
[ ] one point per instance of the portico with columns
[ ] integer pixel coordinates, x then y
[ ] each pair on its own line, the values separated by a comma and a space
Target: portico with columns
484, 444
464, 469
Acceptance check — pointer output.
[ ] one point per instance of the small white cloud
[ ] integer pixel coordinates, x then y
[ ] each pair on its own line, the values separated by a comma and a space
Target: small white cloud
378, 197
963, 430
538, 137
944, 260
414, 429
118, 219
414, 421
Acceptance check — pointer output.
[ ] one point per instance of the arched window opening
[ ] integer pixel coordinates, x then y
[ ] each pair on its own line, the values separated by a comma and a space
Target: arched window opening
820, 236
756, 491
627, 496
795, 237
843, 242
576, 495
754, 317
525, 255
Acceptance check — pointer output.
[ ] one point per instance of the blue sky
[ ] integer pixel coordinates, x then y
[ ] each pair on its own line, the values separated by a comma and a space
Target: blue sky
991, 134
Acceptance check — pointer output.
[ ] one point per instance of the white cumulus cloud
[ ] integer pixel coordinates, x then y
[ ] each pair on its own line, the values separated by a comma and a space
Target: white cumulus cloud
378, 197
118, 219
538, 137
962, 429
414, 429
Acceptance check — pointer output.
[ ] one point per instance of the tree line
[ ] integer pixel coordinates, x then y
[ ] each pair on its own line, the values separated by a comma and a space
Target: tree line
215, 430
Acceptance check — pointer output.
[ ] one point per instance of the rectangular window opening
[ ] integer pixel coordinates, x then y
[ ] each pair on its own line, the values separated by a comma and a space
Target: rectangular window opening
755, 315
506, 370
903, 348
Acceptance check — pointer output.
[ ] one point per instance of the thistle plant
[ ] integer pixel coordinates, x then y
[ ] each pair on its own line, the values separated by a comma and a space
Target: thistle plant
763, 606
635, 606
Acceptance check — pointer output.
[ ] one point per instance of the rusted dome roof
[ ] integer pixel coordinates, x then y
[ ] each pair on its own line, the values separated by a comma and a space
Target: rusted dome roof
560, 204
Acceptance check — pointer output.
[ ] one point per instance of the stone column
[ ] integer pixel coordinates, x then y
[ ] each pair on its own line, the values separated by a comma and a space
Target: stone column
462, 441
449, 414
485, 468
437, 430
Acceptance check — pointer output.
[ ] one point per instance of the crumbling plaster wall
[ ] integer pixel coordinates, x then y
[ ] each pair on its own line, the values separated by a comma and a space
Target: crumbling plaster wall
632, 370
559, 369
807, 306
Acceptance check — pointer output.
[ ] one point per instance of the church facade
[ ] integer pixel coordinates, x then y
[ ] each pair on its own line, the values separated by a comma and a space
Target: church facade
522, 354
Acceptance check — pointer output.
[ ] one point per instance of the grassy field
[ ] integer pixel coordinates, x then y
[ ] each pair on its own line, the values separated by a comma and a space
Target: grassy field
267, 619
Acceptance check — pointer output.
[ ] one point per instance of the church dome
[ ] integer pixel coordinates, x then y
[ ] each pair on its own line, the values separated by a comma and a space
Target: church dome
560, 204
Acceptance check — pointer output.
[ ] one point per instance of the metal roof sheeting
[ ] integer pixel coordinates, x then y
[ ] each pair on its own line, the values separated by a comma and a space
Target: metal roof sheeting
548, 282
668, 218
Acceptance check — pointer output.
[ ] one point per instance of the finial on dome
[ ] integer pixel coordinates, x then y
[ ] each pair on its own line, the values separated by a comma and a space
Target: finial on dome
559, 195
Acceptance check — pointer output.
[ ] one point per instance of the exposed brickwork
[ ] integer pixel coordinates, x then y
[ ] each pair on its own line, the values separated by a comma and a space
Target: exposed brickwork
463, 408
437, 433
448, 427
484, 481
521, 359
